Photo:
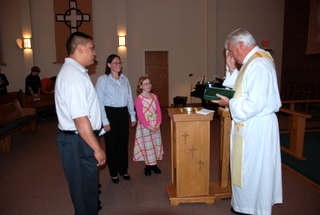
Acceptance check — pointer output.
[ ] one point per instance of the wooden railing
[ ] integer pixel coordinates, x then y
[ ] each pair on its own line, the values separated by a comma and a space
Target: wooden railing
292, 103
296, 128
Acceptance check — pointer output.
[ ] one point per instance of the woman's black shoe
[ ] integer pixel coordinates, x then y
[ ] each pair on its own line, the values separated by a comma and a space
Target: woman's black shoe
115, 180
156, 169
147, 170
126, 177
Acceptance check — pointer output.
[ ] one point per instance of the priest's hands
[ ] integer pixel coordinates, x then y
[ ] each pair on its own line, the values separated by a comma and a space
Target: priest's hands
224, 101
231, 62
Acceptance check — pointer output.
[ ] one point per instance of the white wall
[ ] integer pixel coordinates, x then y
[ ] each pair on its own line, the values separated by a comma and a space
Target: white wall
180, 30
193, 31
263, 19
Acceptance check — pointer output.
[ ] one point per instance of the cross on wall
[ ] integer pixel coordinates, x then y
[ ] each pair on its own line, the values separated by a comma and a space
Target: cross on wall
73, 17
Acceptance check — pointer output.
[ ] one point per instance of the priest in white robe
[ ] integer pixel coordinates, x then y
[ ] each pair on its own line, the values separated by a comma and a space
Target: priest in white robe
254, 140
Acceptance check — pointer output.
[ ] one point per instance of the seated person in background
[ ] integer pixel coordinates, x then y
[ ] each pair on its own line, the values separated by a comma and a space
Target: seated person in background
33, 83
3, 84
47, 84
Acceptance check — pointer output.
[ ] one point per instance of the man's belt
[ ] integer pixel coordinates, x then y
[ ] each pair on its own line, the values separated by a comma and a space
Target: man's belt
96, 132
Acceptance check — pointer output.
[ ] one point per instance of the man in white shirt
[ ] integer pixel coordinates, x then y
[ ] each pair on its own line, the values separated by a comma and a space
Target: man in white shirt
79, 118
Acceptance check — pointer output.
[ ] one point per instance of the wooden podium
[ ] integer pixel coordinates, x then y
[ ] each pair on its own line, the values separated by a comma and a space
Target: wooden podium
190, 154
222, 188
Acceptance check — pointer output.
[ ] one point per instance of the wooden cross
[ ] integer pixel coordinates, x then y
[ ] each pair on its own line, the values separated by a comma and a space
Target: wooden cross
73, 17
200, 163
185, 137
192, 149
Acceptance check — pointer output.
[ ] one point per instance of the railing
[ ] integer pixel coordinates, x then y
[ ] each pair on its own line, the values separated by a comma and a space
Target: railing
296, 127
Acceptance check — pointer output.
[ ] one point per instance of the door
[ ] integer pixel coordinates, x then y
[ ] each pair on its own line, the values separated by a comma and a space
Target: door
156, 68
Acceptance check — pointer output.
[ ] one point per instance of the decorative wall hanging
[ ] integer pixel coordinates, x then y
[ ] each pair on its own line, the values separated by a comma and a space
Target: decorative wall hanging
313, 45
70, 16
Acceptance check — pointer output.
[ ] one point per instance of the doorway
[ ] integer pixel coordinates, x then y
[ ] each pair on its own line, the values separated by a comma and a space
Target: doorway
156, 68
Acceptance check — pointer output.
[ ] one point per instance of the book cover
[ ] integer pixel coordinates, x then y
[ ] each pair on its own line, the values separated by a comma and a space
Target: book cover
210, 93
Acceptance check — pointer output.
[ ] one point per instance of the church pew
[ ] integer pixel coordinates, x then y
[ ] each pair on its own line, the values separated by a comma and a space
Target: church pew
10, 97
46, 102
15, 118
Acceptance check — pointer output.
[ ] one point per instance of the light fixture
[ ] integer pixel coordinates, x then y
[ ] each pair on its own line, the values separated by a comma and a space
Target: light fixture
27, 43
24, 44
122, 41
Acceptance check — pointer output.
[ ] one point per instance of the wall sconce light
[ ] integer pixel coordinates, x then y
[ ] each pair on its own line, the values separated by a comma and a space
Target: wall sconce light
122, 41
24, 43
27, 43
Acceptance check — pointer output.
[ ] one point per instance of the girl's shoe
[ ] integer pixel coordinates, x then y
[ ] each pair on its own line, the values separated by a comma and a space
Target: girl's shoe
147, 170
156, 169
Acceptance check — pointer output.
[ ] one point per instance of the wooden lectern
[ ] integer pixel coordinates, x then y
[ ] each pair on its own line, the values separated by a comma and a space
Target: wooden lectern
190, 154
222, 188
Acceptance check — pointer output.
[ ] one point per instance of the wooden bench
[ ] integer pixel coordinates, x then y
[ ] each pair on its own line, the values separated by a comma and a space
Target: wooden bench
297, 126
46, 102
10, 97
15, 118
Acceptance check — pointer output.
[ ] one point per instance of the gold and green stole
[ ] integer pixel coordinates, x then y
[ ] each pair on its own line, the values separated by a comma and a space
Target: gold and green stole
238, 135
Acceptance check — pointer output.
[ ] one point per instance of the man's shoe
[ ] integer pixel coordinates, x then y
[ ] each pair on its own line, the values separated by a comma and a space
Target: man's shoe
99, 205
156, 169
147, 170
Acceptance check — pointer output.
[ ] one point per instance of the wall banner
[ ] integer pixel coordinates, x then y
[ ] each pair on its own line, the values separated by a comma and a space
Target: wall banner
70, 16
313, 44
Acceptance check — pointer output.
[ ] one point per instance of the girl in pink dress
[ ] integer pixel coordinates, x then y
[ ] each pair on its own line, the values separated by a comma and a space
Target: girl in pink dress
148, 144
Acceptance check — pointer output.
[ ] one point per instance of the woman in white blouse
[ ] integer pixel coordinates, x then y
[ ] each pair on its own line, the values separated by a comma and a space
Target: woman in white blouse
115, 98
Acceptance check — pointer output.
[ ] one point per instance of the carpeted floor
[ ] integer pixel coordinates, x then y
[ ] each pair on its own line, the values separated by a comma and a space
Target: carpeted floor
310, 167
32, 181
